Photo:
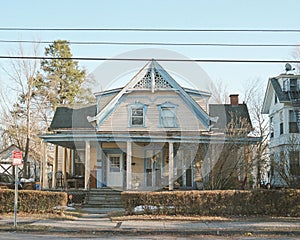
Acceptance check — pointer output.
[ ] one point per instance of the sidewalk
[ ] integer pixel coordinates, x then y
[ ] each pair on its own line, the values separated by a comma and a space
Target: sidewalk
90, 223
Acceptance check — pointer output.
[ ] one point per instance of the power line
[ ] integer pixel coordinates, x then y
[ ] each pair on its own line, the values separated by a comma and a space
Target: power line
150, 30
148, 59
155, 43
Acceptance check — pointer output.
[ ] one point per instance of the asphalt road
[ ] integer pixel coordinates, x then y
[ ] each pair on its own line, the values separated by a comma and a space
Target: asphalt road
62, 236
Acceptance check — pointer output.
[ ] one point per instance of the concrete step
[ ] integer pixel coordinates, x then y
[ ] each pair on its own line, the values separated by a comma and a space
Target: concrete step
104, 198
95, 210
104, 205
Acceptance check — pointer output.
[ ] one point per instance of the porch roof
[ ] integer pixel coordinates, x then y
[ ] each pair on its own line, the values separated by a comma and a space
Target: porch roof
71, 140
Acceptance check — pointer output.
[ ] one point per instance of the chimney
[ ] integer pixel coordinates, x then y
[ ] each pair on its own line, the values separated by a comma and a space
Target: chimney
234, 99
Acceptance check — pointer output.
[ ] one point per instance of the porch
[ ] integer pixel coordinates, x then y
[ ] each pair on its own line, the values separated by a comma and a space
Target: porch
132, 162
122, 166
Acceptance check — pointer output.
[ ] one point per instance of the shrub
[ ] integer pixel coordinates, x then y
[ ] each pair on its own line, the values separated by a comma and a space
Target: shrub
219, 202
31, 201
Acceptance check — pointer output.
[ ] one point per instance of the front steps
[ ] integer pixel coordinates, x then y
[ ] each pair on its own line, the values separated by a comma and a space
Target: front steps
103, 200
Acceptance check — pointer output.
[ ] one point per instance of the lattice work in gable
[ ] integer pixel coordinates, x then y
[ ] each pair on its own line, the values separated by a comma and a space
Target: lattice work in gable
146, 82
160, 82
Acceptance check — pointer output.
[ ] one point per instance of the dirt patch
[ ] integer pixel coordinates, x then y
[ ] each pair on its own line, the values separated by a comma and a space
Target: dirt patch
168, 218
35, 216
145, 217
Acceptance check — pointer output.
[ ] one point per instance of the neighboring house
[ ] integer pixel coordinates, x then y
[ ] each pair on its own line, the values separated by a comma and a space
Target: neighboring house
282, 104
7, 168
150, 134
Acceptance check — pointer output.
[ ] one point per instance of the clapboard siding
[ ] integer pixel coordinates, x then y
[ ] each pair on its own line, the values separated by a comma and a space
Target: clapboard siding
118, 120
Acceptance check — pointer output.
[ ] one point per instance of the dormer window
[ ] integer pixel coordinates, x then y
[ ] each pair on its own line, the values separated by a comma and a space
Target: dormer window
137, 114
168, 115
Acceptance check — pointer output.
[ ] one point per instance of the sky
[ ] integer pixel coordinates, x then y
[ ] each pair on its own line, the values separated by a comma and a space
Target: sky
188, 14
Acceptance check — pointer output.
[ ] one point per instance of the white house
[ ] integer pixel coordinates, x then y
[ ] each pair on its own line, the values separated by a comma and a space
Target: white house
150, 134
282, 104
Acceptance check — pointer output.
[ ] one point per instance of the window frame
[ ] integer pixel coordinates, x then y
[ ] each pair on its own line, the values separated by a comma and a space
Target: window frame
294, 163
293, 127
281, 128
271, 127
174, 110
137, 106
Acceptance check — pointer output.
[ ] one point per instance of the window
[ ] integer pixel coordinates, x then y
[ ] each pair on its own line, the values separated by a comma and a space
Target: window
293, 84
294, 163
271, 127
276, 99
293, 128
168, 118
168, 112
272, 165
137, 115
281, 128
114, 164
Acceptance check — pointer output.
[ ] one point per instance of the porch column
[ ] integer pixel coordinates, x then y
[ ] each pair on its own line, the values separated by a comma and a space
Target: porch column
64, 167
128, 164
70, 161
87, 165
72, 157
171, 166
54, 167
45, 167
100, 166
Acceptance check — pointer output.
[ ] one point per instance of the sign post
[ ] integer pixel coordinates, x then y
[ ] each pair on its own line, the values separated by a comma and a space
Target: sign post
16, 161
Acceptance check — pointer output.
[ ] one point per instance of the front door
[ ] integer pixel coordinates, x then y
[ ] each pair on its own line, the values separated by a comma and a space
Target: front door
154, 169
183, 168
115, 170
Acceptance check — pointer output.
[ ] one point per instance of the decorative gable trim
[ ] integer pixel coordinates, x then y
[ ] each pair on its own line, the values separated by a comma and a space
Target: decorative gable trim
160, 79
153, 80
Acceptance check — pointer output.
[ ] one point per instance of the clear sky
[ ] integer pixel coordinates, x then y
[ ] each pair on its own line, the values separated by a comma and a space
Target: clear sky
213, 14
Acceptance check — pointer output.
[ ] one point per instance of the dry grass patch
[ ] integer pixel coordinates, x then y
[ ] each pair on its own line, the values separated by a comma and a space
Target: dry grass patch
169, 218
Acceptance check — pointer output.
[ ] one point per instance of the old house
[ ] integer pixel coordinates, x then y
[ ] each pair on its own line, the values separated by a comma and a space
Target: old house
150, 134
282, 104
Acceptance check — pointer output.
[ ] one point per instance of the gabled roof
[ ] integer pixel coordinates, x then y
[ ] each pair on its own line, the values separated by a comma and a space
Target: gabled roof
281, 95
274, 87
151, 77
7, 153
228, 113
67, 118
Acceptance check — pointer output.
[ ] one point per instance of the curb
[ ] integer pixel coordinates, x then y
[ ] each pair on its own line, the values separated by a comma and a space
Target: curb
135, 231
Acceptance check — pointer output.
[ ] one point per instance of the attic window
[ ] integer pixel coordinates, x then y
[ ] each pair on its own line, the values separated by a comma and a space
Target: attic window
168, 115
137, 114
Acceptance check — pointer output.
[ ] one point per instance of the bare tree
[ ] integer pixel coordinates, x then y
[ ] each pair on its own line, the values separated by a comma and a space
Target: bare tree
246, 165
18, 119
219, 93
253, 97
285, 166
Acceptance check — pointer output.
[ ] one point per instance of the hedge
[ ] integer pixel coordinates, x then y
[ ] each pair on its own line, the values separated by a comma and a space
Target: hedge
31, 201
215, 203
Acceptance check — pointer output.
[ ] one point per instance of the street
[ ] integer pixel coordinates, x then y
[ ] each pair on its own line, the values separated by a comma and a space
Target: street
77, 236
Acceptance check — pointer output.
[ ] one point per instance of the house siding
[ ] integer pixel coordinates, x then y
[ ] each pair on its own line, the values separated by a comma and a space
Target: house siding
119, 119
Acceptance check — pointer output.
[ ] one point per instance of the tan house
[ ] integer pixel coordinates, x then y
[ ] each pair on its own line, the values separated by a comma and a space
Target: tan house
148, 135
